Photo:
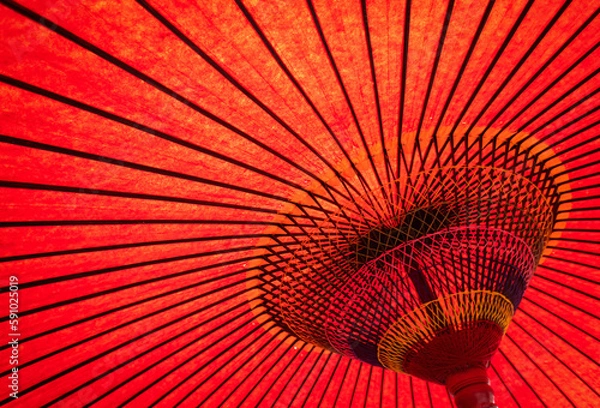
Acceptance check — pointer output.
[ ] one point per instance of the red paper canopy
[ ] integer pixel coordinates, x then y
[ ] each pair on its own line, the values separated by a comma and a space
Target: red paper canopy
161, 162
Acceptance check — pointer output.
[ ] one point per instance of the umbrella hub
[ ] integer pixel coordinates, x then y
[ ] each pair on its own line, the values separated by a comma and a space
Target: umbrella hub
422, 276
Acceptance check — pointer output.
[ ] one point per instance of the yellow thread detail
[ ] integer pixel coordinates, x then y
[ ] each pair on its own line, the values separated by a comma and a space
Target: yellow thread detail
457, 311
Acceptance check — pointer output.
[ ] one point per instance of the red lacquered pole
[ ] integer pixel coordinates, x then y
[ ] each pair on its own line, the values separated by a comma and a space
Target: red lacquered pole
471, 389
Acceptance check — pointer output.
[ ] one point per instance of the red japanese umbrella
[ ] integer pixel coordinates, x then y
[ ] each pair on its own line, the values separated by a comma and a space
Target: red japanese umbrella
304, 203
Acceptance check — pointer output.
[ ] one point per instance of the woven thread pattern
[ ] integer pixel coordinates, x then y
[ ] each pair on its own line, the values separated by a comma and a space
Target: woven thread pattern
458, 311
429, 256
452, 261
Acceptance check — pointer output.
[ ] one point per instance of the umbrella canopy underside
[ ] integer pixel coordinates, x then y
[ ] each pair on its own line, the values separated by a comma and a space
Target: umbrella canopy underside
162, 160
